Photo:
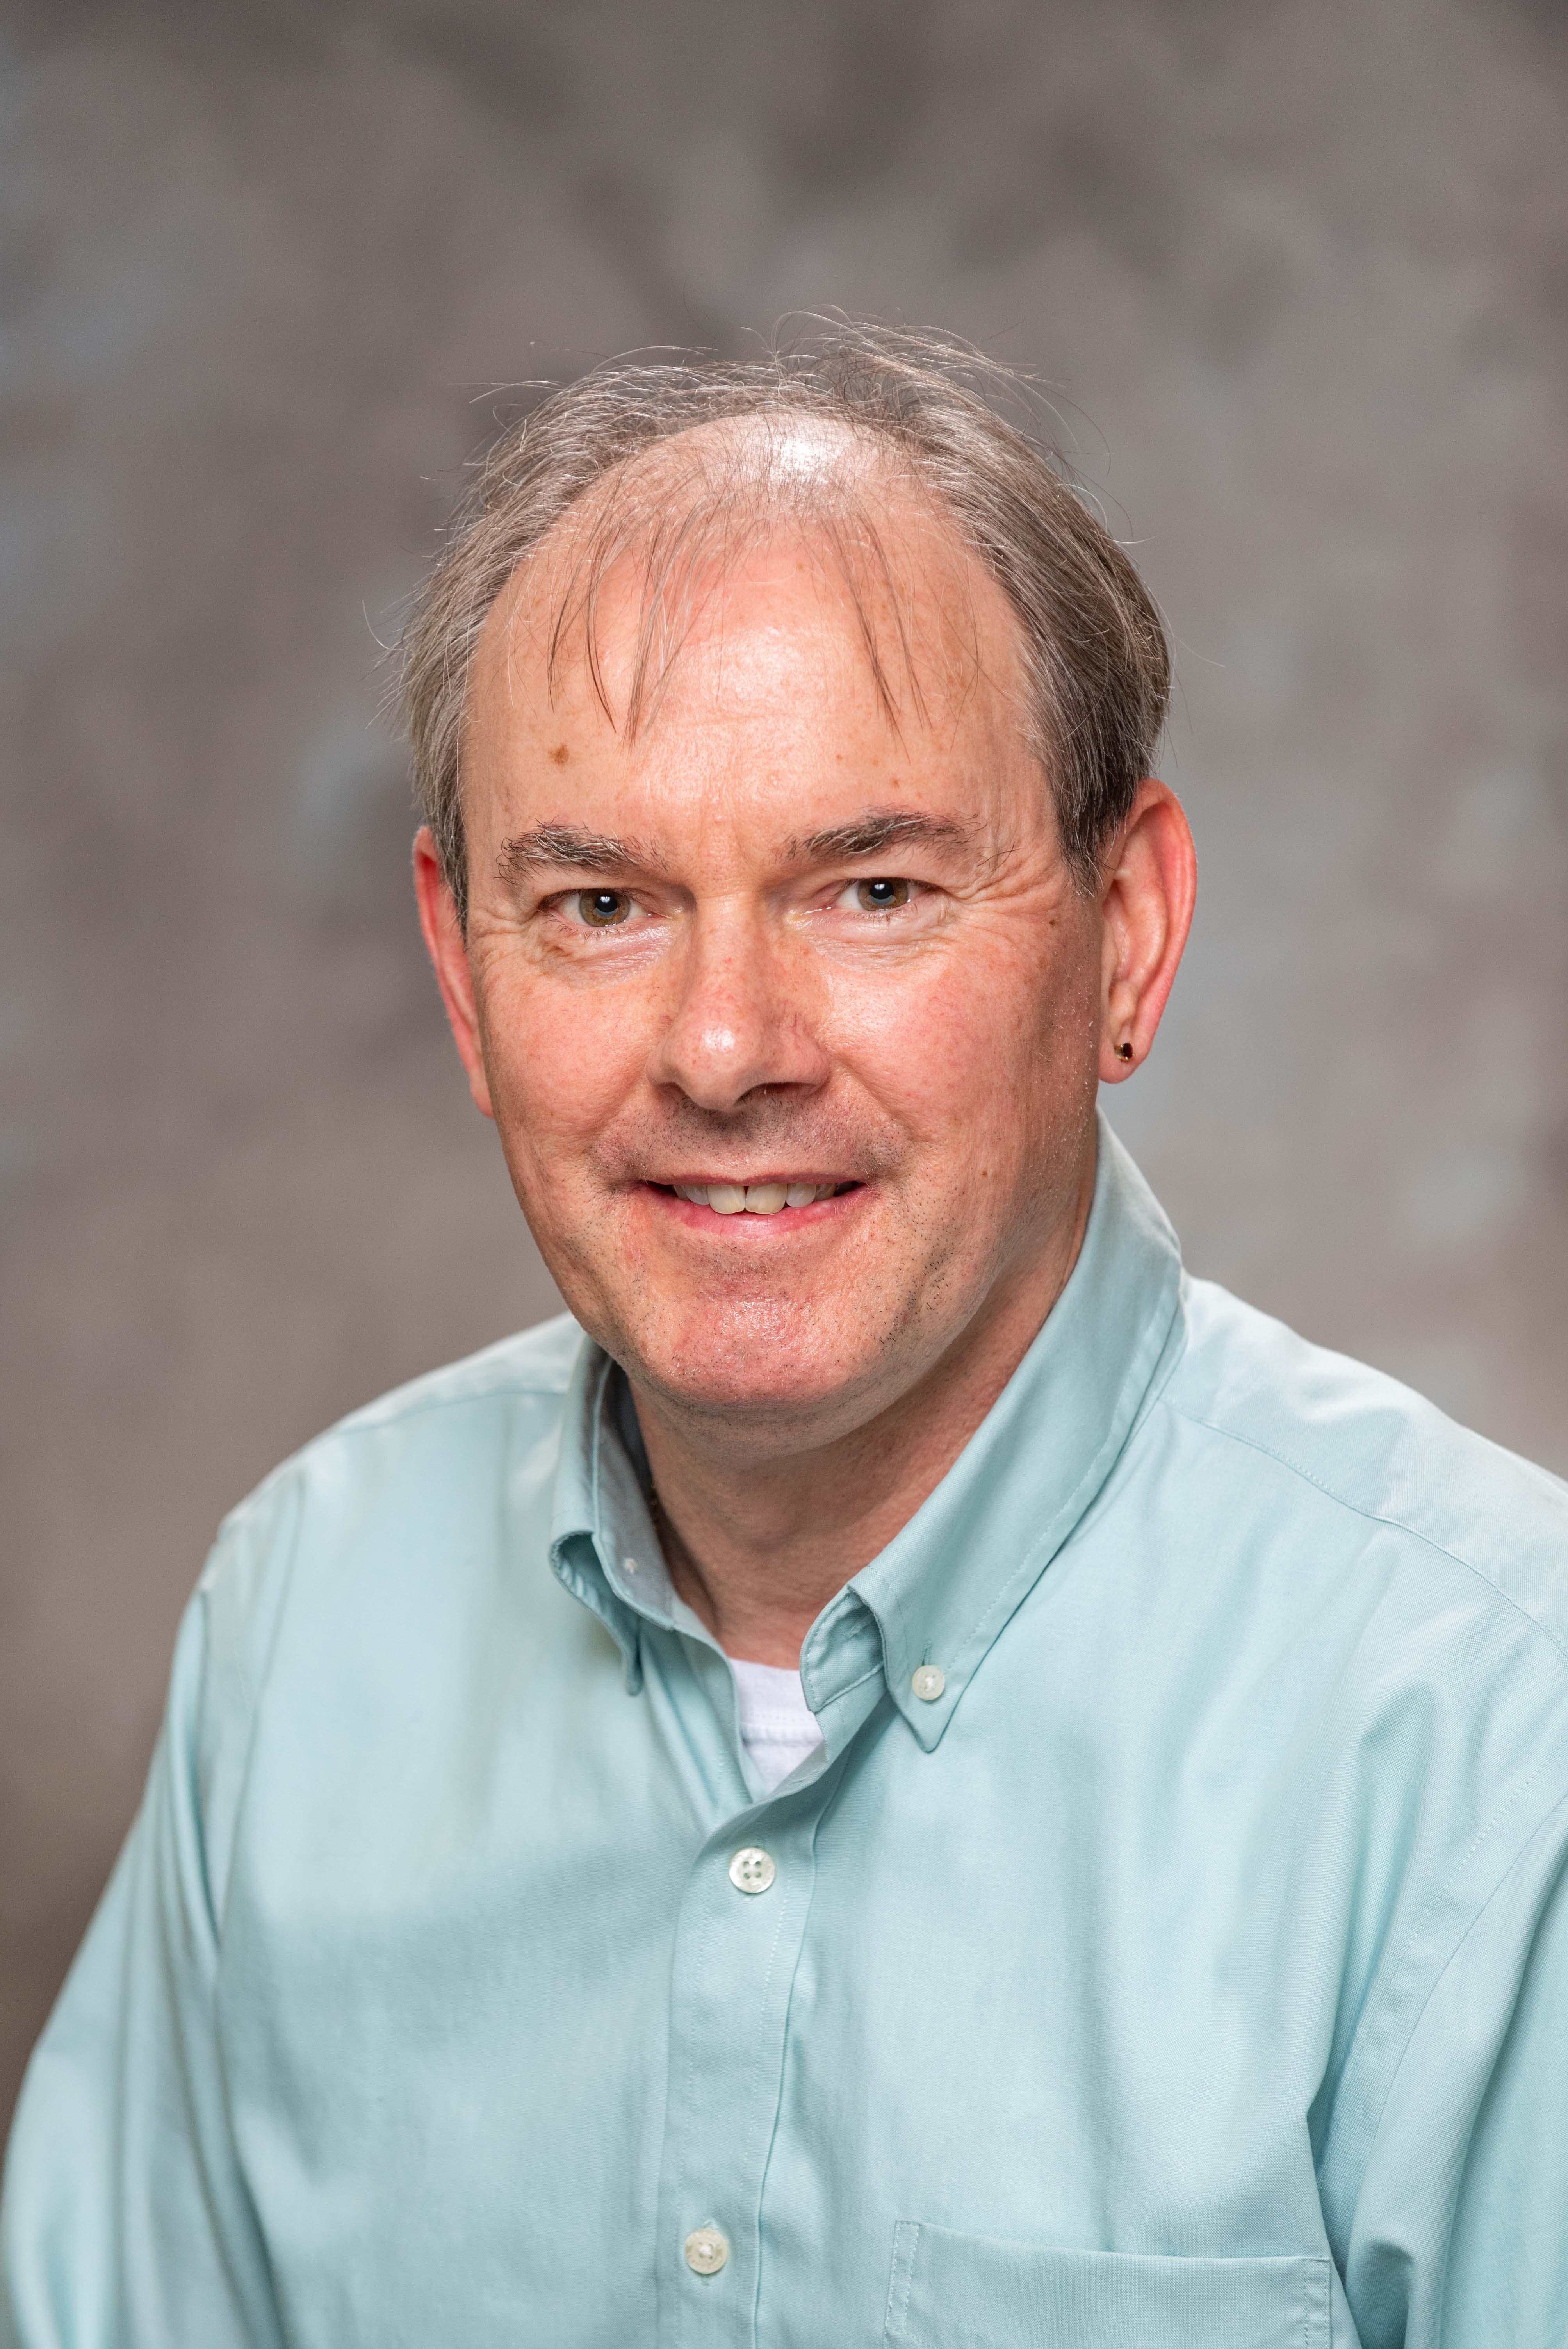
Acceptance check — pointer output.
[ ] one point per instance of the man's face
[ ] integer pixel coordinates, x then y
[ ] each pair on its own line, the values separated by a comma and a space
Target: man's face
779, 947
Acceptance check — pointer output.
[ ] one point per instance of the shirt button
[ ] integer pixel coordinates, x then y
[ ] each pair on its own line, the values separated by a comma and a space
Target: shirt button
751, 1870
705, 2250
928, 1681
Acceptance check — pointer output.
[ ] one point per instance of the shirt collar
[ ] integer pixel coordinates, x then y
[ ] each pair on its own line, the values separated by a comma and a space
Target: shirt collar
948, 1582
602, 1544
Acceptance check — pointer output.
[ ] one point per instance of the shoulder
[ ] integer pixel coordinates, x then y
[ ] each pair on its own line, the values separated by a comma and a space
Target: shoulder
534, 1364
518, 1385
401, 1476
1366, 1463
1389, 1593
360, 1555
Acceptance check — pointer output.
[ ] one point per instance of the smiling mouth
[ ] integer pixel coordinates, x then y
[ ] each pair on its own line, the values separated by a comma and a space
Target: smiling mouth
753, 1198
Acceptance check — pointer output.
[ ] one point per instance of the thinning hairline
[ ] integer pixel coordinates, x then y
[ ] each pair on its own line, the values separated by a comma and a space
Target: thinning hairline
830, 514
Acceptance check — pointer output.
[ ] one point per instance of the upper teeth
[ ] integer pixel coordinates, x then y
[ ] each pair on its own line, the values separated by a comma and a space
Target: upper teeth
753, 1198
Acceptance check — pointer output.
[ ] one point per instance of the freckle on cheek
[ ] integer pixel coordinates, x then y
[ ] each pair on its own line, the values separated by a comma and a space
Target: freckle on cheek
561, 754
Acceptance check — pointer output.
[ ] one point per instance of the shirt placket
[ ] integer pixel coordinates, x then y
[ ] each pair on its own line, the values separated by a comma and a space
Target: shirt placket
742, 1927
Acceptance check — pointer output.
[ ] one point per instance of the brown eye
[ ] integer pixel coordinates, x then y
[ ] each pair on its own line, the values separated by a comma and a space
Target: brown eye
603, 909
880, 896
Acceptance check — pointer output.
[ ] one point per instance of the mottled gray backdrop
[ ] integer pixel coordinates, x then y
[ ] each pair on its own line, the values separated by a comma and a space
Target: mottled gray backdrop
1299, 272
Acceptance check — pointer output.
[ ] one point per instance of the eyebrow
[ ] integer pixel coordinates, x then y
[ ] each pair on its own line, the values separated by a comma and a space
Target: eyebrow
567, 844
877, 829
869, 834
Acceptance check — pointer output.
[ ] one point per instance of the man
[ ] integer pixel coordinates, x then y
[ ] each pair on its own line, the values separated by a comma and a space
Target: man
928, 1780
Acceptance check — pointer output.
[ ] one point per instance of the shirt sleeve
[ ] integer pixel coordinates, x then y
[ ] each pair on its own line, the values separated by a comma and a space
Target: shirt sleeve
1461, 2231
125, 2222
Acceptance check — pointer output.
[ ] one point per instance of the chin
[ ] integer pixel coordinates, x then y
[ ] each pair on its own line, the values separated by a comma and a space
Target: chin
751, 1366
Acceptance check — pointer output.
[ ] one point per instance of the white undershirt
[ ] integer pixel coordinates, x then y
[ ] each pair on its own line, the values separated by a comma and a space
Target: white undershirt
778, 1727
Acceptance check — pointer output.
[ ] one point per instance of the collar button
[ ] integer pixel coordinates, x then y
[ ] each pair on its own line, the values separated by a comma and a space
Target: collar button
928, 1681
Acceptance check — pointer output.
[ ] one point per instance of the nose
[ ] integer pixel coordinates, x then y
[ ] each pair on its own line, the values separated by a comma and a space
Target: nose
743, 1018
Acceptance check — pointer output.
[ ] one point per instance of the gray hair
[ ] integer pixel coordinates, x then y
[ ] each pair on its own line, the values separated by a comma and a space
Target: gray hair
1095, 663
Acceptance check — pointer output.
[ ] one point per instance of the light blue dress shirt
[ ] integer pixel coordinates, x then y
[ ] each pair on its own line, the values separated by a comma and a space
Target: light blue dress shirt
1168, 1946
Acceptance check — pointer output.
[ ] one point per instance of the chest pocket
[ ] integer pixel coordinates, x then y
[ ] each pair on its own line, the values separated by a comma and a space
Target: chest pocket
965, 2291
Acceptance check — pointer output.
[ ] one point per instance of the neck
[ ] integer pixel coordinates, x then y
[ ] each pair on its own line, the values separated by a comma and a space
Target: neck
757, 1547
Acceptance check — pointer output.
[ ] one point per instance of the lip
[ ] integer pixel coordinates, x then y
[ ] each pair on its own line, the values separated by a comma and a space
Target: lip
742, 1182
748, 1230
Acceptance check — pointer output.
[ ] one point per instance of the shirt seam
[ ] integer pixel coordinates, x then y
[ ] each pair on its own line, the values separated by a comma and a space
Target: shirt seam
363, 1421
1371, 1516
872, 1673
256, 1682
830, 1799
699, 1973
1442, 1972
1324, 2310
359, 1424
759, 2060
901, 2311
1398, 1525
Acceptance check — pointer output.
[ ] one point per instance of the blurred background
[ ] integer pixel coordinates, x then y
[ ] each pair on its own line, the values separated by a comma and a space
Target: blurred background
1300, 277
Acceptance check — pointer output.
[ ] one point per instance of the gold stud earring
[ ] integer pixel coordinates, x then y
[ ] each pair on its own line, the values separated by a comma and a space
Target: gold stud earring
1124, 1050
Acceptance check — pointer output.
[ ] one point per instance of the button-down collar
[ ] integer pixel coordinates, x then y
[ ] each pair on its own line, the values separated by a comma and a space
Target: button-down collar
948, 1582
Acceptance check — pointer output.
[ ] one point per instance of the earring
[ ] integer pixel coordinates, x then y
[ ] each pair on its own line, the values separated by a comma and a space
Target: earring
1124, 1050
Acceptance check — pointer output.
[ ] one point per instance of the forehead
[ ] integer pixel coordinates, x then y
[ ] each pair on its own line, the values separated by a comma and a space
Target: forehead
663, 557
728, 645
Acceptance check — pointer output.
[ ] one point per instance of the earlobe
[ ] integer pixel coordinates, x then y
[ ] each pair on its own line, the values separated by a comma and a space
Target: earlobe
1148, 912
448, 950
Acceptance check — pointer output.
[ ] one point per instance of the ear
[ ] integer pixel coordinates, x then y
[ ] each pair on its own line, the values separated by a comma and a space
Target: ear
449, 953
1146, 904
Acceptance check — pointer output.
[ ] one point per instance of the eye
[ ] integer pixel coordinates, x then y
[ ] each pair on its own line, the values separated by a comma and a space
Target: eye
603, 909
880, 896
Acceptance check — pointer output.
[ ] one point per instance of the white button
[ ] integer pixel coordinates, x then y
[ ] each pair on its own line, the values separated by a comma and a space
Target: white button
705, 2250
928, 1681
630, 1564
751, 1870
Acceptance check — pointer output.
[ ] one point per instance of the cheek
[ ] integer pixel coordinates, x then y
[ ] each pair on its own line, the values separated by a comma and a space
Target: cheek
970, 1043
557, 1073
